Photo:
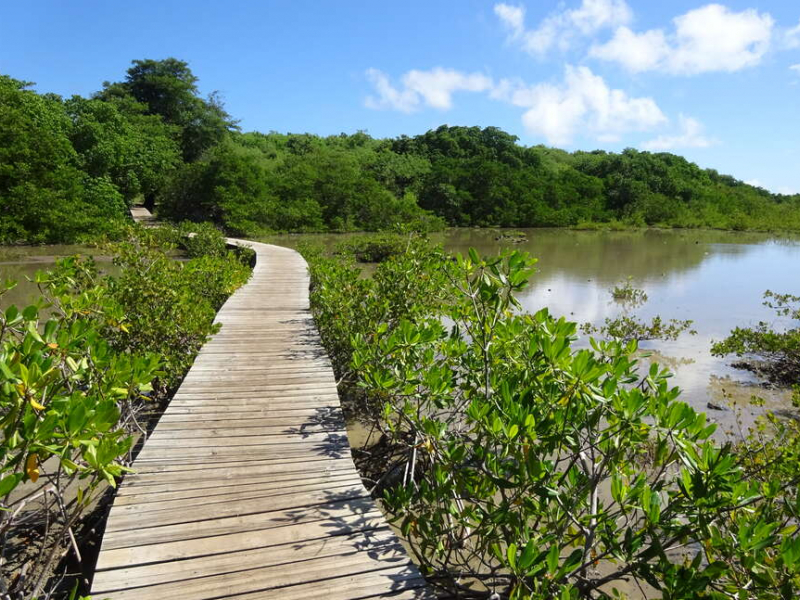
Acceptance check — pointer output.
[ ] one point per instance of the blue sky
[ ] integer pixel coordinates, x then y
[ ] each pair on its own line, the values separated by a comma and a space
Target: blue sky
717, 83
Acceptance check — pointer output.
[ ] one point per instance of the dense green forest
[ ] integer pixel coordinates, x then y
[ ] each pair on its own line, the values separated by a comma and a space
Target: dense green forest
69, 168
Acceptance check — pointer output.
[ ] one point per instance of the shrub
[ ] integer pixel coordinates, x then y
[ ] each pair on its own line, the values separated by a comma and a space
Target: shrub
201, 239
628, 327
373, 248
167, 307
627, 294
64, 404
773, 352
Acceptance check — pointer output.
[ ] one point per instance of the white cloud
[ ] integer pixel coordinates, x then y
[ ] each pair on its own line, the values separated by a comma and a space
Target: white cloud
710, 38
559, 29
582, 103
795, 68
713, 38
690, 135
388, 95
437, 86
754, 183
594, 15
433, 88
791, 37
512, 16
635, 51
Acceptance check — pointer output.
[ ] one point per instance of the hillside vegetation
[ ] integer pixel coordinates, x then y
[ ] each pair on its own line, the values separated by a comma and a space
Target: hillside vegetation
70, 167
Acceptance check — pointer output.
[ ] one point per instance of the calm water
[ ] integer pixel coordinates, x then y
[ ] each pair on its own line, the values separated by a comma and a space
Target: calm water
20, 263
714, 278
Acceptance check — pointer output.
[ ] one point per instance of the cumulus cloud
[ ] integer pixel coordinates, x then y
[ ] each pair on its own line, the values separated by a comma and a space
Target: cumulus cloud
434, 88
795, 68
561, 28
582, 103
706, 39
690, 135
635, 51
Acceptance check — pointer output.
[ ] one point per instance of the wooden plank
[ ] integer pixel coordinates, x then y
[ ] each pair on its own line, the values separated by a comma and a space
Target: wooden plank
240, 427
246, 488
141, 495
215, 375
285, 581
266, 390
219, 563
288, 418
232, 469
144, 504
312, 451
178, 443
216, 404
296, 417
355, 586
237, 533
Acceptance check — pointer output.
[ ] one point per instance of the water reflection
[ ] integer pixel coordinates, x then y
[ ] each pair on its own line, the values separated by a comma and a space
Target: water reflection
598, 256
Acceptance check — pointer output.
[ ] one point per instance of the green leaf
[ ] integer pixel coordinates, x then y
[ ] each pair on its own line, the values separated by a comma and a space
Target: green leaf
6, 371
552, 559
528, 554
511, 555
715, 569
77, 418
8, 483
34, 333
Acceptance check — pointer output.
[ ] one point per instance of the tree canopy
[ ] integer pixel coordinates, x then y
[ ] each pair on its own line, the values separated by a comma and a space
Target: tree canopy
70, 167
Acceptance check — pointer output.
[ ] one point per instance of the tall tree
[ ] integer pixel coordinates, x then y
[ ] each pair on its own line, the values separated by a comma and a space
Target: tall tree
169, 88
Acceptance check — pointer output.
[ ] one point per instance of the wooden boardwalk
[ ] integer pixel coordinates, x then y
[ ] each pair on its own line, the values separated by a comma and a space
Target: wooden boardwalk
246, 488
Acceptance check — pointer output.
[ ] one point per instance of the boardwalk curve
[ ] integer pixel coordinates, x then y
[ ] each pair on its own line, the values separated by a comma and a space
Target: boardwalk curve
246, 488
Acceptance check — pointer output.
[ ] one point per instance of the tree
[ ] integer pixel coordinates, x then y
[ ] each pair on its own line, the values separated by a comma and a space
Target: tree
135, 151
44, 196
169, 88
228, 186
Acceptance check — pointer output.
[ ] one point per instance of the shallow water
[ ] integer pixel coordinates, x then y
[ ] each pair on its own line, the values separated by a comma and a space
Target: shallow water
714, 278
20, 263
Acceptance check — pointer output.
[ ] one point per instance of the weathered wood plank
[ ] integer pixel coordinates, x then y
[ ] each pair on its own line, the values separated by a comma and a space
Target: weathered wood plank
233, 469
132, 516
295, 525
221, 562
164, 494
338, 574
